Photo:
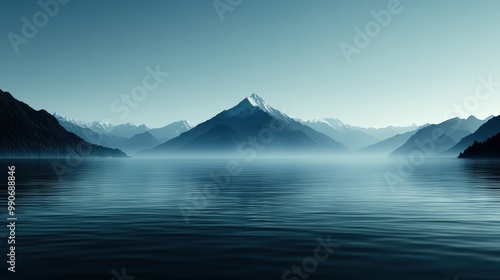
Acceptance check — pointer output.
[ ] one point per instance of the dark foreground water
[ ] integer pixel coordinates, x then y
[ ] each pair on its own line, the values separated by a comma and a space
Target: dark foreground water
329, 219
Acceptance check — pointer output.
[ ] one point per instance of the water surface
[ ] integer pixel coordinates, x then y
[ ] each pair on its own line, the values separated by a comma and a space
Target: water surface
441, 222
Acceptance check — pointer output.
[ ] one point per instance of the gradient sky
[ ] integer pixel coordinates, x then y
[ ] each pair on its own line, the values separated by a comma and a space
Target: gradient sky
424, 62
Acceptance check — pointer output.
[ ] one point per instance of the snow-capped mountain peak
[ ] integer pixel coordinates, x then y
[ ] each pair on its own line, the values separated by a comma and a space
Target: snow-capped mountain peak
336, 123
252, 103
333, 123
188, 124
97, 126
255, 100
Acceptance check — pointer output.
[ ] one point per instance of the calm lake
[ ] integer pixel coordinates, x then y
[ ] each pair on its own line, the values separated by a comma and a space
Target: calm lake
168, 219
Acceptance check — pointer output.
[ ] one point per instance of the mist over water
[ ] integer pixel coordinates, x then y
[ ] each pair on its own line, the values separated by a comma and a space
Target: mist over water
441, 222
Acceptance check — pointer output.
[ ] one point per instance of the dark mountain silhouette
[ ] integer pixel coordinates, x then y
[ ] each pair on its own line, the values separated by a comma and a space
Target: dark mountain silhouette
25, 132
487, 149
437, 138
249, 125
487, 130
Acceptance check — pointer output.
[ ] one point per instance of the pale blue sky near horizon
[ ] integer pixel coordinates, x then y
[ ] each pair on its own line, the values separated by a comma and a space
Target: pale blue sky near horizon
423, 63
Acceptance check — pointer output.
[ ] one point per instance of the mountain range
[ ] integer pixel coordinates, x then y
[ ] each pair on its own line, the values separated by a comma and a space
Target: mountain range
128, 137
437, 138
487, 130
387, 146
249, 127
354, 137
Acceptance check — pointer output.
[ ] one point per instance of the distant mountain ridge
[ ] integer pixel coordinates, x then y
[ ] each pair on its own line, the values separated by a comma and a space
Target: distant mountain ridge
97, 126
351, 137
128, 130
171, 130
385, 147
25, 132
355, 137
437, 138
89, 135
131, 145
389, 131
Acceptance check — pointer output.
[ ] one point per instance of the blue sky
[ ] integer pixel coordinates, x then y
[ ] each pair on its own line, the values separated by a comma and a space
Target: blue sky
426, 61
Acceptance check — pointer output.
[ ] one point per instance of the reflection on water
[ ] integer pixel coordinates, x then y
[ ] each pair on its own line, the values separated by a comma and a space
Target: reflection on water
485, 172
441, 222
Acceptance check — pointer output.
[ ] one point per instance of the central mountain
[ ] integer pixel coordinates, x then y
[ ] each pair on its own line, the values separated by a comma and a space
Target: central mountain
252, 124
